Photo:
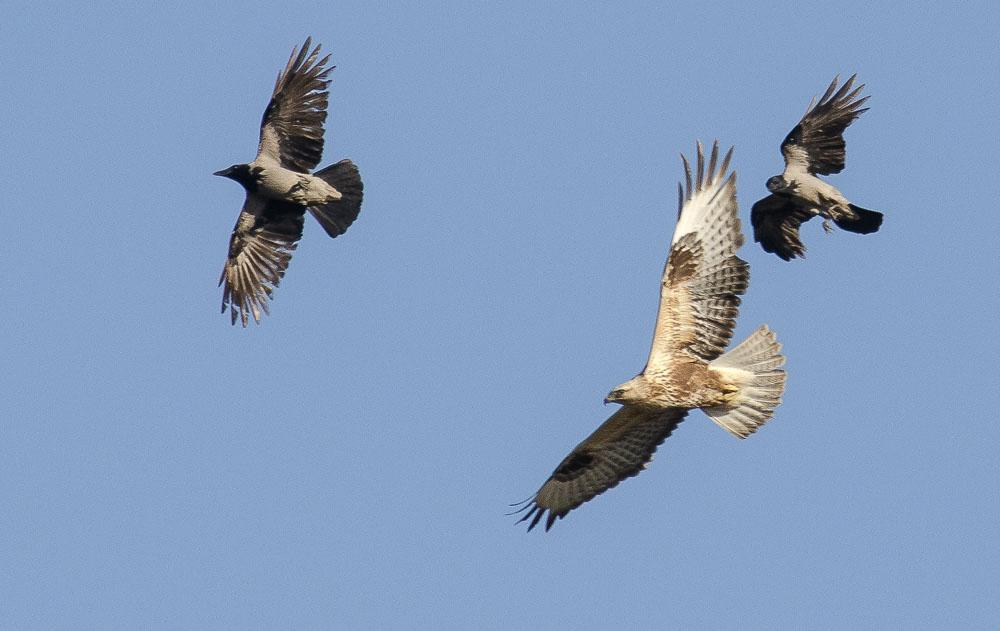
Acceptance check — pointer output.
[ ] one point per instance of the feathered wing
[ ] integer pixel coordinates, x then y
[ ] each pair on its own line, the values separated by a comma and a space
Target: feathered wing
620, 448
776, 220
817, 144
291, 130
265, 235
703, 278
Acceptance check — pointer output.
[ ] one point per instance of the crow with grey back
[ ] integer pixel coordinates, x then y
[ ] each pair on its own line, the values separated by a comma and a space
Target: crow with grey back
814, 147
279, 187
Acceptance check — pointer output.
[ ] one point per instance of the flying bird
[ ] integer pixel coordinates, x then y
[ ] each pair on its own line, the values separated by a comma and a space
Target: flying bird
814, 147
699, 300
279, 187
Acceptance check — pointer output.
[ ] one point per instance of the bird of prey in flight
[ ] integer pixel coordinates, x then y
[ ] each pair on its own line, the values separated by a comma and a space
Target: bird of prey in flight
815, 147
699, 300
279, 187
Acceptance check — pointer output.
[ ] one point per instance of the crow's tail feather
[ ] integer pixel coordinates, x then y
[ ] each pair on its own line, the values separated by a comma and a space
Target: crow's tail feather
865, 221
337, 216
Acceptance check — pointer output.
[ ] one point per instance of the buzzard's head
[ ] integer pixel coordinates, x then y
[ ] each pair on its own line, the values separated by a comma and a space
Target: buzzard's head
632, 391
776, 184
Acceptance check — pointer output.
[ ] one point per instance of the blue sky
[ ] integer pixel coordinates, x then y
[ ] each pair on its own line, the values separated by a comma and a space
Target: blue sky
348, 463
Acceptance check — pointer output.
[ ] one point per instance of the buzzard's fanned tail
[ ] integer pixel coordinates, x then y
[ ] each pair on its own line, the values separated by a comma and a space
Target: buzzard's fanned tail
865, 222
755, 368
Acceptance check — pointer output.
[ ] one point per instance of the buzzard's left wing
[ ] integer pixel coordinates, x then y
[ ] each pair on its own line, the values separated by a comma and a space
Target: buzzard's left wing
703, 278
620, 448
817, 144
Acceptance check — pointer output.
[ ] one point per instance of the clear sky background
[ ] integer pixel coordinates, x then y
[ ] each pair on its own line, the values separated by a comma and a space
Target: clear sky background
348, 463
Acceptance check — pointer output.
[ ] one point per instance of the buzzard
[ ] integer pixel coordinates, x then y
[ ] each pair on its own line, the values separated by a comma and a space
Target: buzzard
699, 300
279, 188
815, 147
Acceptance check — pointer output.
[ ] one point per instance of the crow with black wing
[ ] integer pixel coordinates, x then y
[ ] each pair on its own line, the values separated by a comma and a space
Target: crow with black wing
279, 187
814, 147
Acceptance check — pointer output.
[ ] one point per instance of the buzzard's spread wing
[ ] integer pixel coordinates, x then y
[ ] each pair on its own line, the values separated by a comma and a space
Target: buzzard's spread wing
817, 142
263, 240
776, 220
619, 449
291, 131
703, 278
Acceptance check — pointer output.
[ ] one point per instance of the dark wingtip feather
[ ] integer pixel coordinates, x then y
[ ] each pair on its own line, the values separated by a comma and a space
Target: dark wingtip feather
844, 89
725, 160
700, 179
687, 176
520, 506
533, 512
713, 159
550, 520
829, 90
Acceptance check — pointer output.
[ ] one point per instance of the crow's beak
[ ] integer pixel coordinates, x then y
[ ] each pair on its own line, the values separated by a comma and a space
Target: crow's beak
222, 173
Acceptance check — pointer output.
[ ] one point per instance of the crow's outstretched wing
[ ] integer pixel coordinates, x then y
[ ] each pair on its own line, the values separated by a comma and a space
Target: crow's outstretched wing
817, 144
265, 235
776, 220
291, 130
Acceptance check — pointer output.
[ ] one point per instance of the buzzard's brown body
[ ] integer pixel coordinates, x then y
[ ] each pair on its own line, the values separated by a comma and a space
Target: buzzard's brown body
689, 384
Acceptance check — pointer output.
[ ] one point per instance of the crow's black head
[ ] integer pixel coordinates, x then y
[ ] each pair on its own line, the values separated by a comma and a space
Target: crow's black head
240, 173
776, 184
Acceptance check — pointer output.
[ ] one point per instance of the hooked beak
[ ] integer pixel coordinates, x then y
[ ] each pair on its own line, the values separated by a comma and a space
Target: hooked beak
607, 400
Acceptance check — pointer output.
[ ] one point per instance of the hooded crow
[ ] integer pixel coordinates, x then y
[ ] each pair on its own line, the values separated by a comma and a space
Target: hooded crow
815, 147
279, 188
